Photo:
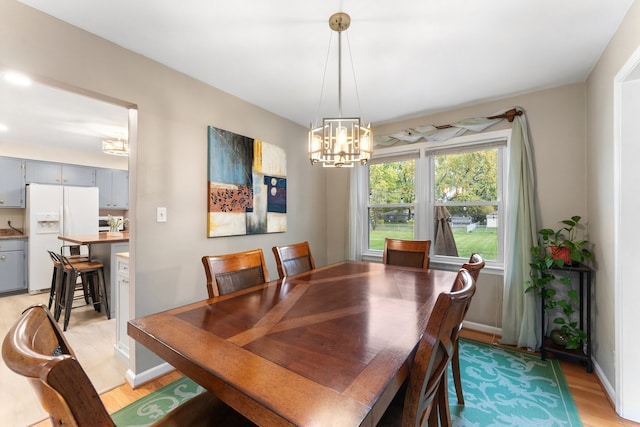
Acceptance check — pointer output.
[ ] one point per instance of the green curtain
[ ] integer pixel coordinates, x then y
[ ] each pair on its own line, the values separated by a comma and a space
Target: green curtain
520, 311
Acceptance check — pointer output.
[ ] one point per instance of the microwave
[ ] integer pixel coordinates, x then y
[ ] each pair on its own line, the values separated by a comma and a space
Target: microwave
103, 223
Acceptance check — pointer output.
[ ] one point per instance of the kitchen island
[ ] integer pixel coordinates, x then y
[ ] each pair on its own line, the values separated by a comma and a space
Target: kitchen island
103, 247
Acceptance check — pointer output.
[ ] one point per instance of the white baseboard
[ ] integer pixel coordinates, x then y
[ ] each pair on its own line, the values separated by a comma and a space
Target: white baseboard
136, 380
482, 328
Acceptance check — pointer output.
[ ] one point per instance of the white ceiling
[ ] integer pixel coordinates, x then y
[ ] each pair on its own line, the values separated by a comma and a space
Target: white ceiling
410, 57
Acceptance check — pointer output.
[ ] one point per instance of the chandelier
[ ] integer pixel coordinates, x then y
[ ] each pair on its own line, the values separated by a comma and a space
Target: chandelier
340, 141
116, 147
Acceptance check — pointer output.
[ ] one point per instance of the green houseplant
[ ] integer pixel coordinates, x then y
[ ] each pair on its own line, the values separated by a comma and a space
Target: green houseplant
555, 250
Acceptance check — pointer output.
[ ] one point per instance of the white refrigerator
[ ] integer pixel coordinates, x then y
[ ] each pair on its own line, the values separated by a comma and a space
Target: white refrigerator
54, 210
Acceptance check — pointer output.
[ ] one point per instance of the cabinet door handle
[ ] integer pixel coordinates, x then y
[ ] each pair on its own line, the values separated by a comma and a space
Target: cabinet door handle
2, 258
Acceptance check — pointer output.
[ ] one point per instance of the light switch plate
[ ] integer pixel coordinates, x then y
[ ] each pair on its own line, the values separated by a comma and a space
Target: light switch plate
161, 214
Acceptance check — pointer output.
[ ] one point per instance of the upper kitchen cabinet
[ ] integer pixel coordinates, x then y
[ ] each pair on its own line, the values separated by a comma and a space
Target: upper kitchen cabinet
12, 182
113, 185
60, 173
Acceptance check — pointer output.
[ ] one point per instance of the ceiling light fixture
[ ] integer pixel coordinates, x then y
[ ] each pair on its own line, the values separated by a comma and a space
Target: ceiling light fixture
116, 147
16, 78
340, 142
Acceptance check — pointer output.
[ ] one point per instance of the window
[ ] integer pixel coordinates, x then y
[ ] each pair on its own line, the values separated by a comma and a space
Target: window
450, 193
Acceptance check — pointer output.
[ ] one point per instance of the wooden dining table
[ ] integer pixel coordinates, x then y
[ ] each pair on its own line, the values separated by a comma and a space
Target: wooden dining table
329, 347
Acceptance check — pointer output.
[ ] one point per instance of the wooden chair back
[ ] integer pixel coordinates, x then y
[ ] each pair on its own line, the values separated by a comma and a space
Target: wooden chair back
475, 264
293, 259
232, 272
407, 253
36, 348
426, 391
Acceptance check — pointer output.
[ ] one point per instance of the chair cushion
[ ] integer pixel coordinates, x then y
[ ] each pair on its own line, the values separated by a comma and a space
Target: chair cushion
296, 265
240, 279
405, 259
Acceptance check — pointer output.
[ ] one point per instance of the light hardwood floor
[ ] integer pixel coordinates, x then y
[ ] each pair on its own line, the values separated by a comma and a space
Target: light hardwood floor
594, 407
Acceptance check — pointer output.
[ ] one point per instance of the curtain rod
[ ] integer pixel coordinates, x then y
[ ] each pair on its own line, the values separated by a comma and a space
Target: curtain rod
509, 115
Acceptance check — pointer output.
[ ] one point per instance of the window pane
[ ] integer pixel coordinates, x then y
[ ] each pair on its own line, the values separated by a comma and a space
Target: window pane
392, 182
462, 230
465, 177
389, 222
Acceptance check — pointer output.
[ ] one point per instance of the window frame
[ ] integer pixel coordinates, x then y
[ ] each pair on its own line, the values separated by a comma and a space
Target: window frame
424, 202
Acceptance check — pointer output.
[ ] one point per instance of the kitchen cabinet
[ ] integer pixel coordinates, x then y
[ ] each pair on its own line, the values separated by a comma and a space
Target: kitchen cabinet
12, 265
114, 188
59, 173
122, 305
12, 182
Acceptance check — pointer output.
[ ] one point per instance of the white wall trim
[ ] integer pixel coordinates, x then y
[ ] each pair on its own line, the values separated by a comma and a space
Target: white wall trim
482, 328
626, 388
136, 380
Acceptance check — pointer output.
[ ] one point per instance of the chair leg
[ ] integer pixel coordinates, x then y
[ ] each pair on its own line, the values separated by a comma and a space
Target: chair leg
455, 368
94, 290
105, 296
72, 278
52, 291
59, 299
442, 397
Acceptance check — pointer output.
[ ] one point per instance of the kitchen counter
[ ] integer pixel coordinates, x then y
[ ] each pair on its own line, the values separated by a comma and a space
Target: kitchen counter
92, 239
8, 233
103, 247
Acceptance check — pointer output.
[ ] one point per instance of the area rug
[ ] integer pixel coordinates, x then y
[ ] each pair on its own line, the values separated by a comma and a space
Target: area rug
510, 388
501, 388
150, 408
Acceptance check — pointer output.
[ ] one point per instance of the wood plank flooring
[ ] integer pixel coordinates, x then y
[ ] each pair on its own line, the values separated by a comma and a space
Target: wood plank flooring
594, 407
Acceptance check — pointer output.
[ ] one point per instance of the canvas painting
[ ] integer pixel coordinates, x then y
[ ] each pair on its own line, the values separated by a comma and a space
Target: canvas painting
247, 185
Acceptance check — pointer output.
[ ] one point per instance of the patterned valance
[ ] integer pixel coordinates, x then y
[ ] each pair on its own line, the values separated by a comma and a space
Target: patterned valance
444, 132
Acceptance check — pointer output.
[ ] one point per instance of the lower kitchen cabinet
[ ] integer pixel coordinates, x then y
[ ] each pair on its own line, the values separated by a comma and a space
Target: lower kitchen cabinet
13, 277
122, 305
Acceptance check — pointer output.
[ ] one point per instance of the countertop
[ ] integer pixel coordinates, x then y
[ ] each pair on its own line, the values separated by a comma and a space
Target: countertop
90, 239
8, 233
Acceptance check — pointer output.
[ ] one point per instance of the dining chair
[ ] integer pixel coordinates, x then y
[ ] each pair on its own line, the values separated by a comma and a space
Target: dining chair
293, 259
36, 348
425, 400
232, 272
407, 253
473, 266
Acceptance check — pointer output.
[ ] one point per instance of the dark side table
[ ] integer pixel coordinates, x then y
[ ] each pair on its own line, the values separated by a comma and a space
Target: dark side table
583, 355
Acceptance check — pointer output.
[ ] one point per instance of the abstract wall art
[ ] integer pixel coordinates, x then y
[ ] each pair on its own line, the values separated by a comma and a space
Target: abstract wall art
247, 185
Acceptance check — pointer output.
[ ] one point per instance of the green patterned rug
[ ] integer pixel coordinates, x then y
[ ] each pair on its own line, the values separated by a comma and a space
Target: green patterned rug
510, 388
153, 406
501, 388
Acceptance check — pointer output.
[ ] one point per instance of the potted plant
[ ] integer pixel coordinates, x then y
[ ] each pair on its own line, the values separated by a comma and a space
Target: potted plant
114, 225
556, 249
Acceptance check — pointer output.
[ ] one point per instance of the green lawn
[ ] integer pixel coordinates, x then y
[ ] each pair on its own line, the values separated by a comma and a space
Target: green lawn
481, 240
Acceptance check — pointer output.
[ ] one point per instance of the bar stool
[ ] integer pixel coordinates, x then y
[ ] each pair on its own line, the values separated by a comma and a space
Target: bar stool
92, 275
58, 279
